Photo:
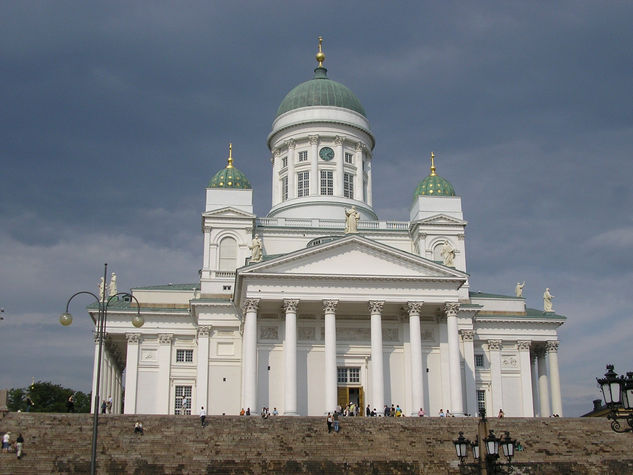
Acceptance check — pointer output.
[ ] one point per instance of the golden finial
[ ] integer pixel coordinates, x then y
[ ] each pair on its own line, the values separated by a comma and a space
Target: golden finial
320, 56
433, 164
230, 165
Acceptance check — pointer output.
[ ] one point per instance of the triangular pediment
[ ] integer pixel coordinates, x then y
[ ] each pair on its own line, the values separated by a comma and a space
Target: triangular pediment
354, 256
227, 212
442, 219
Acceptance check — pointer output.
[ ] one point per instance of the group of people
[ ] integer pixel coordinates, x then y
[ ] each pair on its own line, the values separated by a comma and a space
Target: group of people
106, 406
7, 446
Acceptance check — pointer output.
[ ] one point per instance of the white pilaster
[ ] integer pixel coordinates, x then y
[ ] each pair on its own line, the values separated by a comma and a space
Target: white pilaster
468, 337
249, 396
377, 376
526, 378
457, 394
339, 158
276, 159
202, 381
534, 373
358, 162
164, 365
329, 309
131, 372
554, 377
368, 170
495, 346
292, 179
314, 165
290, 357
543, 387
417, 382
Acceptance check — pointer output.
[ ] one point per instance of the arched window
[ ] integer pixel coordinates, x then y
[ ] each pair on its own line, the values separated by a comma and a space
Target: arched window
228, 254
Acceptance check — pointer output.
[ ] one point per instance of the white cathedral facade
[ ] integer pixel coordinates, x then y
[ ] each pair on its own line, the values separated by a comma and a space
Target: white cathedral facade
320, 303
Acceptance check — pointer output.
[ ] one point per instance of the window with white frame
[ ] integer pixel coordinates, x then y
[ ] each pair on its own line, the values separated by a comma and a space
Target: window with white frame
228, 254
284, 162
479, 361
348, 374
349, 157
284, 188
481, 399
303, 184
327, 182
182, 402
184, 356
303, 156
348, 185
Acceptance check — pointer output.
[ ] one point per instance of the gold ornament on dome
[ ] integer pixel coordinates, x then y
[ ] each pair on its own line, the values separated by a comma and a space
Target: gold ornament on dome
320, 56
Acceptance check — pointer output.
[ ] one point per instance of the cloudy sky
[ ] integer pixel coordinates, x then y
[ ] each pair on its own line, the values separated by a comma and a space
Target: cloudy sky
114, 115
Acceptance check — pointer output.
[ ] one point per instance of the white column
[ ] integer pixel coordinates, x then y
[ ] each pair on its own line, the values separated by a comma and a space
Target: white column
359, 179
554, 377
457, 394
534, 373
202, 380
290, 358
368, 169
377, 375
131, 372
543, 388
314, 165
331, 379
292, 179
495, 346
94, 374
339, 158
468, 337
249, 364
417, 375
164, 372
526, 378
276, 161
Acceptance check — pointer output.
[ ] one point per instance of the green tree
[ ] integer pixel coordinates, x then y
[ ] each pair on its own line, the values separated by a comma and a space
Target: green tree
47, 397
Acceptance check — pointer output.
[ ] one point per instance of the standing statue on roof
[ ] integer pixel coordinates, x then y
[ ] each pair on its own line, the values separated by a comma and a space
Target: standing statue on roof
256, 249
448, 254
112, 286
518, 290
351, 220
547, 301
101, 290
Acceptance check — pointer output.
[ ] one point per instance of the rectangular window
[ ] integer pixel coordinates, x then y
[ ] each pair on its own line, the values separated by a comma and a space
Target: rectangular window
348, 185
348, 374
303, 184
481, 399
342, 375
184, 356
349, 158
327, 182
284, 188
284, 162
182, 403
479, 361
303, 156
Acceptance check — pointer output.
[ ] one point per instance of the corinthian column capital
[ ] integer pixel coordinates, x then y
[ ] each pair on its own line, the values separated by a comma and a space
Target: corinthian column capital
451, 308
415, 308
329, 306
290, 305
375, 306
250, 305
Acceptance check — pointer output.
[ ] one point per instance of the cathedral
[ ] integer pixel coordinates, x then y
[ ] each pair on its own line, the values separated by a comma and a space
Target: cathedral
320, 303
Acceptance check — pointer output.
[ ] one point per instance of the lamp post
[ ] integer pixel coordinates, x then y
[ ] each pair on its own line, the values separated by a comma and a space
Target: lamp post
66, 319
617, 392
486, 448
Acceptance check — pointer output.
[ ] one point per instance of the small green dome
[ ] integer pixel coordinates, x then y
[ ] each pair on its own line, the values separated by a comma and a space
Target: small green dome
320, 91
433, 184
230, 177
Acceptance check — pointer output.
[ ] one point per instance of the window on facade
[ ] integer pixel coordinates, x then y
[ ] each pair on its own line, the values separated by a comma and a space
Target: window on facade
349, 158
327, 182
481, 399
182, 403
226, 287
479, 361
228, 254
303, 156
303, 184
184, 356
284, 188
348, 185
348, 375
284, 162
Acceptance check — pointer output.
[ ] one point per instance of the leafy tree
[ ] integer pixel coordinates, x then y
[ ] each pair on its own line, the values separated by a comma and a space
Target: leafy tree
47, 397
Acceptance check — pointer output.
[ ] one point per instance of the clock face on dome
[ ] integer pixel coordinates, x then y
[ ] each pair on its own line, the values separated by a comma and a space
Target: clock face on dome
326, 153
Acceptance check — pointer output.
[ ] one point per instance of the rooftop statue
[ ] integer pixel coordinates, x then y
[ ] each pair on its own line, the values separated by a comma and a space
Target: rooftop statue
547, 301
256, 249
351, 220
448, 254
518, 290
112, 286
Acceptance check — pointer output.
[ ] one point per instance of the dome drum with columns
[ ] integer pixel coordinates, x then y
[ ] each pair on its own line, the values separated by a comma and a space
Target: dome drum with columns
320, 303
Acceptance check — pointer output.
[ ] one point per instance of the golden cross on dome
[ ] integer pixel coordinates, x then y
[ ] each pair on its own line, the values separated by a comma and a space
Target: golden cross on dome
433, 164
320, 56
230, 165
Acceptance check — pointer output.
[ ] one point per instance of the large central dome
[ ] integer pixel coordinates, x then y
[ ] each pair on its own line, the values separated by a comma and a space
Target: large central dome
320, 91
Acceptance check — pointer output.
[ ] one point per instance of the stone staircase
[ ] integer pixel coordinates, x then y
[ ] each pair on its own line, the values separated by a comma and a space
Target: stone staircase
60, 443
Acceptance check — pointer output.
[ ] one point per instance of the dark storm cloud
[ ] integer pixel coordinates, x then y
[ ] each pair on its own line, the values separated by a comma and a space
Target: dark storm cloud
116, 114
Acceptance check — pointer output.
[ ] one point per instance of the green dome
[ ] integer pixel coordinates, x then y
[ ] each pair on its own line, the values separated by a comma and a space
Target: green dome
320, 91
230, 177
434, 185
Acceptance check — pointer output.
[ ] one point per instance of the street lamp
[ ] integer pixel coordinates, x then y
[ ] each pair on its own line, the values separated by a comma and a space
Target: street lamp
617, 392
66, 319
461, 447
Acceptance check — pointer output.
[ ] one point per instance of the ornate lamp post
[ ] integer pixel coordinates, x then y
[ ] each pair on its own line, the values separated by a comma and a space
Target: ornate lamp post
617, 392
66, 319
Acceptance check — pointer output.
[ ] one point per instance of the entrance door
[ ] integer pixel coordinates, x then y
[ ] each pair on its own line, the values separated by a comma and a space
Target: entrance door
355, 394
